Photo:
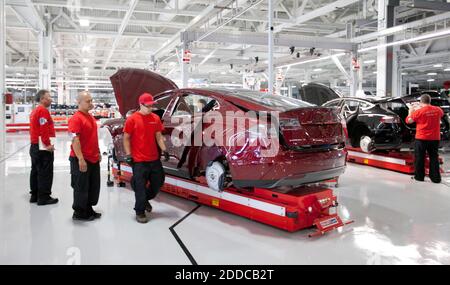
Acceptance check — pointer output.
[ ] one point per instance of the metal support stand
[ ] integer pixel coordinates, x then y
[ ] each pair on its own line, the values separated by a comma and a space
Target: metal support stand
109, 182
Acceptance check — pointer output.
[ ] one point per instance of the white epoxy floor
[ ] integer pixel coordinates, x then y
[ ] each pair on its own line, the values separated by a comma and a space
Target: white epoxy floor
397, 221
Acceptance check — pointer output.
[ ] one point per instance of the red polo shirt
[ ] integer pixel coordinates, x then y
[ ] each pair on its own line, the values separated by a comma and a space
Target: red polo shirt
428, 123
41, 125
85, 127
142, 130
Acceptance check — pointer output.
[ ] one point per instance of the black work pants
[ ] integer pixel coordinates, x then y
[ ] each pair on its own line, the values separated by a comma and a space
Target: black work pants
86, 186
421, 148
143, 173
41, 175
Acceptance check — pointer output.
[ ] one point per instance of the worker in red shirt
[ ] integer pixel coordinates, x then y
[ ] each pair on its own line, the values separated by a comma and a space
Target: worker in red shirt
428, 135
142, 136
42, 130
85, 160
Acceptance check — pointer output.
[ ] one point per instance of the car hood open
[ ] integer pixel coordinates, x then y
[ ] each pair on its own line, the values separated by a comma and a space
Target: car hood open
130, 83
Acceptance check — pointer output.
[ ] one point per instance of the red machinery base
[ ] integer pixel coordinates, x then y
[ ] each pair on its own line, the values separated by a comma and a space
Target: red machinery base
13, 128
396, 161
304, 207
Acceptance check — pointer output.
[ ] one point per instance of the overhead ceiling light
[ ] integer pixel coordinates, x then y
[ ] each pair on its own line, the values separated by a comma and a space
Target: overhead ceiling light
85, 69
447, 69
370, 61
430, 80
313, 60
437, 65
86, 48
223, 73
374, 72
404, 73
19, 74
411, 40
84, 22
317, 69
85, 60
432, 73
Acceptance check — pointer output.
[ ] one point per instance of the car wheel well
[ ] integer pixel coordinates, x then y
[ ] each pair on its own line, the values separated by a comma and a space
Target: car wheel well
223, 161
358, 131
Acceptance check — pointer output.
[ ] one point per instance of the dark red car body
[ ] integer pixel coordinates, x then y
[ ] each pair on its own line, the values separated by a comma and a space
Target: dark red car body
310, 151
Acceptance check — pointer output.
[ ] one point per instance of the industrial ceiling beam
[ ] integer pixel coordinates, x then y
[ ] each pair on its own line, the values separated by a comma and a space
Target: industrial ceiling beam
109, 34
133, 22
402, 28
146, 8
175, 39
28, 13
322, 11
431, 5
280, 40
123, 25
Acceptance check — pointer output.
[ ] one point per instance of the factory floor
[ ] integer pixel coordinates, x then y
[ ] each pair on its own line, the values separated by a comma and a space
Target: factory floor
396, 221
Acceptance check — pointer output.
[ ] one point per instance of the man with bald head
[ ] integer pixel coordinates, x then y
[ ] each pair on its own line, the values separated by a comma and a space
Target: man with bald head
84, 160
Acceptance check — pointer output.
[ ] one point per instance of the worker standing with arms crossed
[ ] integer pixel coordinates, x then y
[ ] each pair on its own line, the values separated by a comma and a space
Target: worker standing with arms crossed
428, 135
85, 160
142, 136
42, 130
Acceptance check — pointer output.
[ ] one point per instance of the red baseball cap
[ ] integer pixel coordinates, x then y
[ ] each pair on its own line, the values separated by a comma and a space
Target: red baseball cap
146, 99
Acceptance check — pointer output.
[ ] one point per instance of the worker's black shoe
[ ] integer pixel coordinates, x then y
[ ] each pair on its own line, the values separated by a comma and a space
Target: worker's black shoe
148, 207
95, 214
48, 201
33, 199
141, 218
80, 217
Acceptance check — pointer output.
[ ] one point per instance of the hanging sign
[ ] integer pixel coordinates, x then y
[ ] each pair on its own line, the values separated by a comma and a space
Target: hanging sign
187, 56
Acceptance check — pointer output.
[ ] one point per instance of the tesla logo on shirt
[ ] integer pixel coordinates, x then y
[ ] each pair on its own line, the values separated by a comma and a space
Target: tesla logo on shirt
42, 121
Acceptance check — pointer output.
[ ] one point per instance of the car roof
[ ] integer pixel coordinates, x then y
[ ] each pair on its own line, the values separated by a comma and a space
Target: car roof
249, 99
432, 93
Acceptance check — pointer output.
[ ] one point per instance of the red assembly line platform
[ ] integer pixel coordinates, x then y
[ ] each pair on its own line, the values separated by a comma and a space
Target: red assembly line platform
304, 207
13, 128
395, 160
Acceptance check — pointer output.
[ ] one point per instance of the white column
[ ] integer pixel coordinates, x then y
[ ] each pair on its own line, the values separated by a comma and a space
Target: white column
67, 97
396, 76
354, 78
382, 51
2, 76
60, 78
360, 73
270, 46
45, 59
353, 73
184, 68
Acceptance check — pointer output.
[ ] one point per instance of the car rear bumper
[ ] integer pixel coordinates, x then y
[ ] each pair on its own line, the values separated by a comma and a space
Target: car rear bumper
297, 180
289, 168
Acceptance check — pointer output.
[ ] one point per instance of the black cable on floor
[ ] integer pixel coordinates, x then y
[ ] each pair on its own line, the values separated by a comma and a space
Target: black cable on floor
180, 242
1, 161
